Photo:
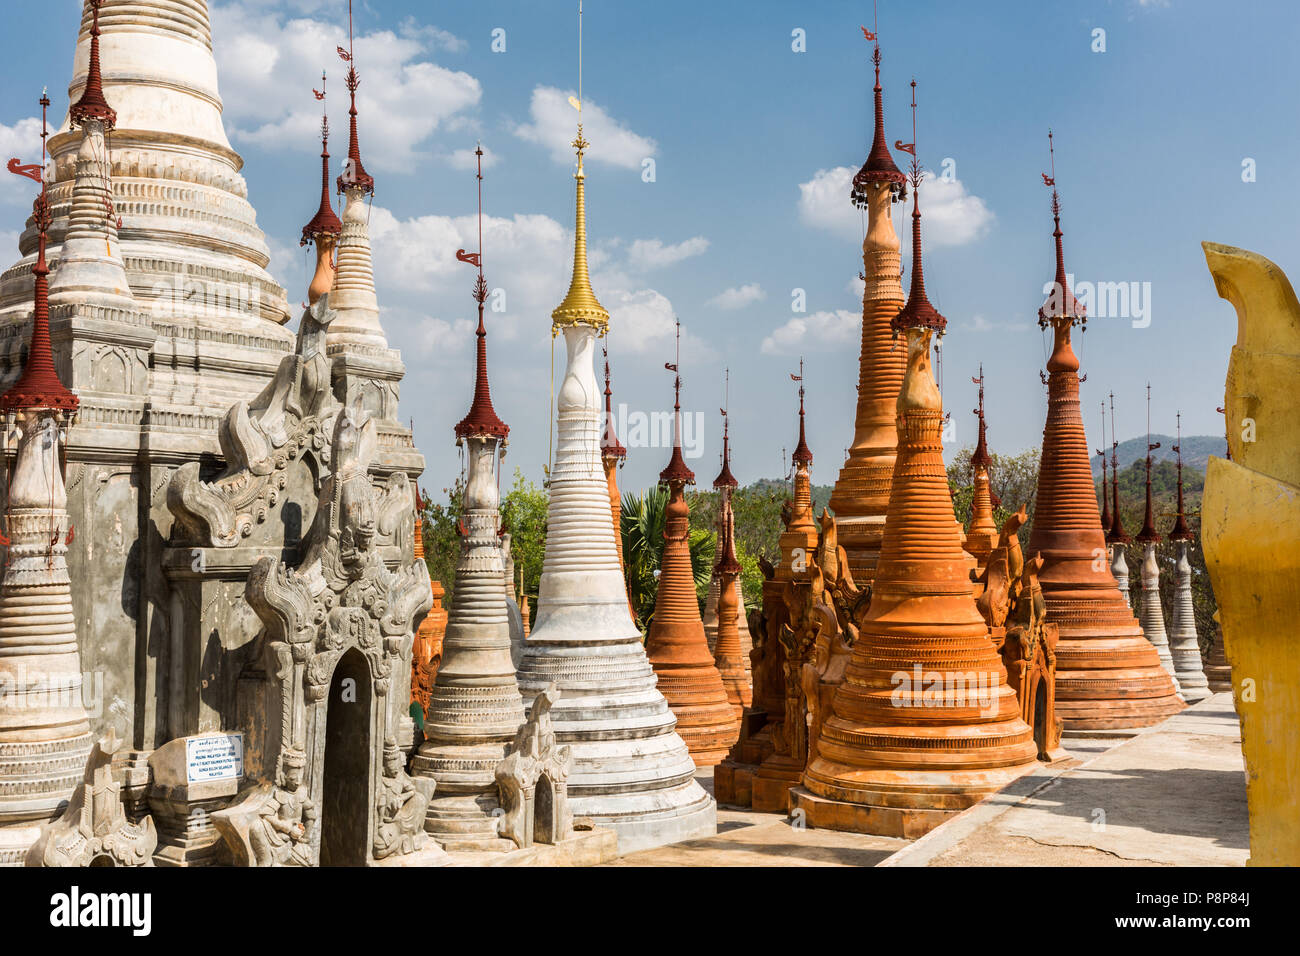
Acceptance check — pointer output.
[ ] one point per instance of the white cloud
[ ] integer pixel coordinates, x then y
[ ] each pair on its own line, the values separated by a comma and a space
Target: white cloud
269, 64
738, 298
813, 331
952, 216
22, 141
554, 124
654, 254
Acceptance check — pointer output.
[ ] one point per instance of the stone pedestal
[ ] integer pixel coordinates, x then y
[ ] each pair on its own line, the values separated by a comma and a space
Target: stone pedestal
1184, 644
182, 811
1153, 615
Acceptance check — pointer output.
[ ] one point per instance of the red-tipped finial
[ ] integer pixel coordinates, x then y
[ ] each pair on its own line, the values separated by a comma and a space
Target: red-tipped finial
1117, 533
980, 458
1105, 488
879, 167
482, 419
802, 453
38, 386
1180, 531
92, 104
1061, 303
1149, 534
354, 174
677, 472
918, 312
610, 446
325, 222
725, 478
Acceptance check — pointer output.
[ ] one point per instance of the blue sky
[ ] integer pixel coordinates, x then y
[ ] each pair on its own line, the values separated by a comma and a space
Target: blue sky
750, 141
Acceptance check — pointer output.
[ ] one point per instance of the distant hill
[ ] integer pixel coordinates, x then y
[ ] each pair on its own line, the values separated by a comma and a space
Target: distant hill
1197, 450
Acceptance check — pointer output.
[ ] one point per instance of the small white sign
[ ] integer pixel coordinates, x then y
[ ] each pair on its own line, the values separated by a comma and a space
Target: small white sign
214, 757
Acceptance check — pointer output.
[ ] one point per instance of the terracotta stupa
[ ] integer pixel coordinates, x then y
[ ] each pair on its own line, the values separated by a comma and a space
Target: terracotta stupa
783, 765
631, 772
1184, 643
612, 456
725, 484
1108, 676
676, 645
731, 648
1152, 613
475, 708
982, 537
909, 740
860, 497
44, 731
324, 228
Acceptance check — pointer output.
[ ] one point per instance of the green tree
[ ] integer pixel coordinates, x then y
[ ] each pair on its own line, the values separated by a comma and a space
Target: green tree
642, 528
523, 515
441, 536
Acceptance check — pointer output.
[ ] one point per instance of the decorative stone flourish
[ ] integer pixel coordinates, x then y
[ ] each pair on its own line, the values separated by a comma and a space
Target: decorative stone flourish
94, 829
534, 780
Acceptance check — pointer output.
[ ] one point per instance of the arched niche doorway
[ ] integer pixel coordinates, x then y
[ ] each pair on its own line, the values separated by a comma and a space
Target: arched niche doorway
346, 790
1040, 716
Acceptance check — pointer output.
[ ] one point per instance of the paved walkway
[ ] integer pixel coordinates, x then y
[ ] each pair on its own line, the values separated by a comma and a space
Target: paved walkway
1175, 795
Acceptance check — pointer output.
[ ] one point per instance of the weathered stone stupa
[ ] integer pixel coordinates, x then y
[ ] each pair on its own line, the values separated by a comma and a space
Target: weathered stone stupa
1184, 643
475, 708
1152, 614
731, 647
1108, 676
924, 723
612, 455
982, 537
676, 645
860, 498
632, 772
44, 733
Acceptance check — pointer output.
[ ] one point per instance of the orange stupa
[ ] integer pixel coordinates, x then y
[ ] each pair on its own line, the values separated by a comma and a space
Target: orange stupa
612, 455
924, 724
728, 654
676, 646
982, 537
1107, 674
860, 497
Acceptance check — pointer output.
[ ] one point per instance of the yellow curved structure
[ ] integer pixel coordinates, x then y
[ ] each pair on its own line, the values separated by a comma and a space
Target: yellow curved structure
1250, 532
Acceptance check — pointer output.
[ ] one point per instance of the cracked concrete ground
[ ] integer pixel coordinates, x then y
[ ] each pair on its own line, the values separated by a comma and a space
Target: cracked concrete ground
1175, 795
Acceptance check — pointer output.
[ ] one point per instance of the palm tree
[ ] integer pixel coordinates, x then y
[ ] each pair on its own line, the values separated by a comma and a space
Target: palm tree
642, 528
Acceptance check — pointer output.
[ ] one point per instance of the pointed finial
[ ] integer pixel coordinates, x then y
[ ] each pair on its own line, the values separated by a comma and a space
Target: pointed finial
610, 446
879, 167
1105, 487
1180, 531
677, 472
918, 312
39, 386
1149, 533
1061, 305
980, 458
325, 224
725, 478
92, 104
354, 175
1117, 533
802, 453
482, 419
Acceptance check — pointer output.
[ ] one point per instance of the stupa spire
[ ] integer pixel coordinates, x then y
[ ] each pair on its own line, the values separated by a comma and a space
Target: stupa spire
482, 418
1105, 488
725, 479
465, 745
92, 104
1116, 534
918, 313
612, 455
632, 772
1108, 676
354, 173
324, 228
860, 497
610, 446
1180, 531
879, 167
39, 386
802, 454
1149, 534
676, 644
895, 758
983, 535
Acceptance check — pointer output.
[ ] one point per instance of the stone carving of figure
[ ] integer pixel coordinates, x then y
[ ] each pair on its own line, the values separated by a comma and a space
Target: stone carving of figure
354, 496
400, 808
281, 833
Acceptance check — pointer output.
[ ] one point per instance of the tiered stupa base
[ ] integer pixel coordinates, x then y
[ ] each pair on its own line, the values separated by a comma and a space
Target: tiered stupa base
631, 772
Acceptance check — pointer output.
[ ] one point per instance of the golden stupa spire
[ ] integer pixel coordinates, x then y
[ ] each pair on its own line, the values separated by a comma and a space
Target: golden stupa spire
580, 305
